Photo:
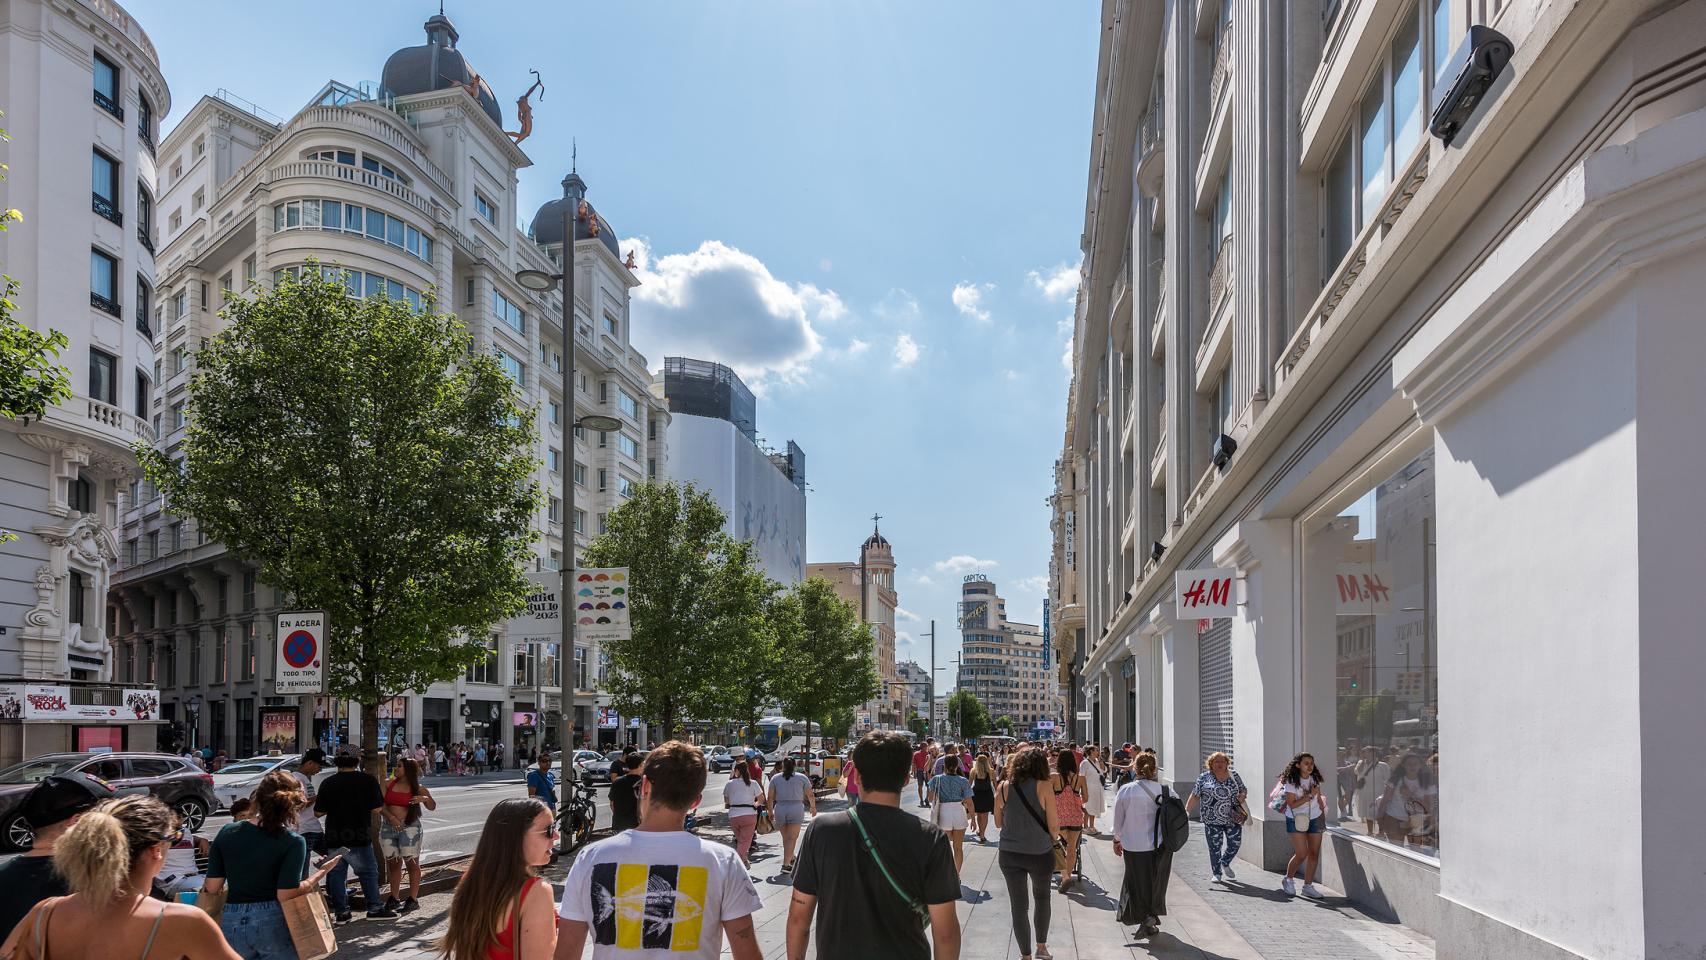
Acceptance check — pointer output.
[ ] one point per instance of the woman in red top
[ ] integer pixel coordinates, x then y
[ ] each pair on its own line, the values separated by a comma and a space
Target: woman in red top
501, 902
400, 833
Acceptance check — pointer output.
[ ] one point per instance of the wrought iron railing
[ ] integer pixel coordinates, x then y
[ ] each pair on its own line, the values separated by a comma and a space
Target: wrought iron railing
106, 208
108, 104
102, 303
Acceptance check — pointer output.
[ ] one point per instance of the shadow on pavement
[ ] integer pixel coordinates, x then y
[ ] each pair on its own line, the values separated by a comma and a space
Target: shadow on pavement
970, 895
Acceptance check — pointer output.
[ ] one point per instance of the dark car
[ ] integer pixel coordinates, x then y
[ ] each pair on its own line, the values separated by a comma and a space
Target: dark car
182, 785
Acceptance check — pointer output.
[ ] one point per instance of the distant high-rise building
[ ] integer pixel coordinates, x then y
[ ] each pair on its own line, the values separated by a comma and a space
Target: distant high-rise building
1005, 663
869, 585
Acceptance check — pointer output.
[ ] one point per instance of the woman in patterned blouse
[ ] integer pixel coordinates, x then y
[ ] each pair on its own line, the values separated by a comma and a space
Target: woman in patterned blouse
1221, 793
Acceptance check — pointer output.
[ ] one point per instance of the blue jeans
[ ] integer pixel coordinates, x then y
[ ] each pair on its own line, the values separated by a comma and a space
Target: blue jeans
1231, 835
257, 931
366, 870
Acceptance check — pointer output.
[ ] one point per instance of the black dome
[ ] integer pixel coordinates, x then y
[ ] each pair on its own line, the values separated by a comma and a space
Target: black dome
436, 65
547, 224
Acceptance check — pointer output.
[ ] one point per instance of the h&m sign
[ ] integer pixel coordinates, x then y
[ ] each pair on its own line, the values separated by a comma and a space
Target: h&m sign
1204, 594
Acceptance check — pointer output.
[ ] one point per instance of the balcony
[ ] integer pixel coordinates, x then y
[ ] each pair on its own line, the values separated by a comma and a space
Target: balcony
145, 237
327, 170
1158, 323
106, 208
103, 304
1222, 68
1220, 275
1150, 147
90, 416
108, 104
146, 136
1158, 459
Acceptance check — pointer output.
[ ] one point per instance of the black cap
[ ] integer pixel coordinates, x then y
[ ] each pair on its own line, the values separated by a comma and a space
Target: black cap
59, 798
314, 755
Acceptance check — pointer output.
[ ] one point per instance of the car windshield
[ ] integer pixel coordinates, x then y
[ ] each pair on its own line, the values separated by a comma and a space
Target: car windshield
35, 771
250, 766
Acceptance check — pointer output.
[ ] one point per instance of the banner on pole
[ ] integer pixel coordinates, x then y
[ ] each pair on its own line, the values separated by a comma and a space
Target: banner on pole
543, 617
601, 604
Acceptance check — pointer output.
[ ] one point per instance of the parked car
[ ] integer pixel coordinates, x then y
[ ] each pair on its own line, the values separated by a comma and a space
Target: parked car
719, 759
592, 764
810, 762
179, 783
240, 778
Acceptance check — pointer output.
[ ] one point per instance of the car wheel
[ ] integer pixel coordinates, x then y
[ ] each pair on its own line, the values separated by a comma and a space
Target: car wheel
17, 834
193, 811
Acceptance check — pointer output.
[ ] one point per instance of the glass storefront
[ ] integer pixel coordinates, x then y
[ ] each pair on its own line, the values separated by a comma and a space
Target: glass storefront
1378, 572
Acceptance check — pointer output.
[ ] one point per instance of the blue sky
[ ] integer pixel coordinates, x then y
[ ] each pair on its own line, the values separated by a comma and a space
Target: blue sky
871, 209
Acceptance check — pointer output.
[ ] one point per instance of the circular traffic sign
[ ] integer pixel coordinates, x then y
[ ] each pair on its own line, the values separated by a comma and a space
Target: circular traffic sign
299, 649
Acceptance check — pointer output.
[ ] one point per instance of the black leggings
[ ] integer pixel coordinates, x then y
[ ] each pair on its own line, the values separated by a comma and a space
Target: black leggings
1017, 869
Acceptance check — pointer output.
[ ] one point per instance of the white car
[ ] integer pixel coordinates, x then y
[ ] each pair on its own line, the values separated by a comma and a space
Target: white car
591, 763
239, 779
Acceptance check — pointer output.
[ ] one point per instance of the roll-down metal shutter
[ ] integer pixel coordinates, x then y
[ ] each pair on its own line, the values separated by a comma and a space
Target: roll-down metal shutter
1214, 687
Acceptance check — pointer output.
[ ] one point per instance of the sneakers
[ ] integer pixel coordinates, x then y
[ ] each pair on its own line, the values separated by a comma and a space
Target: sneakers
410, 905
393, 904
343, 916
1227, 872
383, 913
1310, 891
1289, 887
1218, 879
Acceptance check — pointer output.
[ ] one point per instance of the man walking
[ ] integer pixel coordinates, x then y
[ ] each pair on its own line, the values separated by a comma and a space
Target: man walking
625, 795
542, 783
873, 874
346, 801
657, 890
308, 826
921, 770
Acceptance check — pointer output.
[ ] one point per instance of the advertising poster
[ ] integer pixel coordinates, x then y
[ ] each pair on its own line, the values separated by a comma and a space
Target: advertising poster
278, 730
142, 704
601, 604
542, 619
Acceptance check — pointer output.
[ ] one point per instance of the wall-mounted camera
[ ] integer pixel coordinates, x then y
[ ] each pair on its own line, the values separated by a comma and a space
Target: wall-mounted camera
1472, 69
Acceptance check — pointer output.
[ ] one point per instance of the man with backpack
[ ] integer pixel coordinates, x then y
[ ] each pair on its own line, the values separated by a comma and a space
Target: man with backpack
1150, 825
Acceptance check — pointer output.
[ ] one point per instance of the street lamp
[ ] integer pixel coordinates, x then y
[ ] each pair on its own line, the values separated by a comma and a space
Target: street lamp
541, 281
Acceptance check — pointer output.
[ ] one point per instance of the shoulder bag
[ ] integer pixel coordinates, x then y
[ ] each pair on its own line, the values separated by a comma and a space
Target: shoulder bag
1061, 858
913, 903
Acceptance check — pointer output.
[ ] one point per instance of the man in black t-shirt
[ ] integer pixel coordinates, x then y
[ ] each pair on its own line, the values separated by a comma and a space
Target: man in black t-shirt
624, 796
345, 803
50, 808
859, 913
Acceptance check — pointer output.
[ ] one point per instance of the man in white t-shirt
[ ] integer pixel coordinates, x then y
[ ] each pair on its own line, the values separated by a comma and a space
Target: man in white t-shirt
657, 890
308, 825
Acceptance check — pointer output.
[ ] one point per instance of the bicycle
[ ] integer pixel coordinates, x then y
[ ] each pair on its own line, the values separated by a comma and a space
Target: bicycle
578, 816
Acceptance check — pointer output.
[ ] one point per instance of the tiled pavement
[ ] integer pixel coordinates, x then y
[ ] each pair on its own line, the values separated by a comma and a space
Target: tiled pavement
1244, 921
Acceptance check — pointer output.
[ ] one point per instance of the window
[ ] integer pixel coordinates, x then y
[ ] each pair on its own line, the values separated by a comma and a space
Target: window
506, 310
603, 480
103, 282
198, 148
486, 670
106, 86
1222, 405
222, 656
554, 458
580, 474
195, 673
652, 430
177, 416
249, 591
177, 220
74, 598
624, 487
249, 269
628, 445
222, 596
144, 306
145, 122
1439, 36
246, 657
611, 326
651, 468
198, 200
180, 360
177, 537
580, 521
603, 391
628, 405
145, 217
554, 410
80, 495
201, 291
554, 512
142, 393
1379, 582
1222, 213
104, 183
603, 525
603, 439
513, 368
484, 207
349, 218
103, 377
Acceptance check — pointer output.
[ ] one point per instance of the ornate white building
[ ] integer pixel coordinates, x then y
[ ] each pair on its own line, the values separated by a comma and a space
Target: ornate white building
82, 92
403, 188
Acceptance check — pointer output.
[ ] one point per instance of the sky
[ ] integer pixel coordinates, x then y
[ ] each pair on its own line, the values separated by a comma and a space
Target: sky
869, 209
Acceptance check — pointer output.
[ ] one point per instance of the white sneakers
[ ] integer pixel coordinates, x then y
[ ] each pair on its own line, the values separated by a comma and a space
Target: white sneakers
1289, 887
1227, 872
1310, 891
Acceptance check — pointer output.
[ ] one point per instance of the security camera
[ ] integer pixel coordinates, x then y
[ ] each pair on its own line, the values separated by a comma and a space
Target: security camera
1224, 448
1473, 68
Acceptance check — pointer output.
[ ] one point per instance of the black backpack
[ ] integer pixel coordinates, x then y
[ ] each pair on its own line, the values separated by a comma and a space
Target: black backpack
1172, 825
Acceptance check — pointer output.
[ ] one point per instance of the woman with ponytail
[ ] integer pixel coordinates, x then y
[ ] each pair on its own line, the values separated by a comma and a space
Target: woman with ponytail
502, 910
109, 858
262, 862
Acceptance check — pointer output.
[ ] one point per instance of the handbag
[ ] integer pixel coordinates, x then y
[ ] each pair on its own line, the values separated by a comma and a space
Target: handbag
914, 904
765, 825
1061, 855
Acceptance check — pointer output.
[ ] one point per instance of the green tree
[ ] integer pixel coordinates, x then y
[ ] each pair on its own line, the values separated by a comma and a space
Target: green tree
371, 465
1374, 716
967, 716
700, 619
31, 379
919, 726
1004, 723
828, 657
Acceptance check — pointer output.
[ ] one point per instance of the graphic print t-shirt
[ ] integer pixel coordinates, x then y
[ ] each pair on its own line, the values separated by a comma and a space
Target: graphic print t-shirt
648, 894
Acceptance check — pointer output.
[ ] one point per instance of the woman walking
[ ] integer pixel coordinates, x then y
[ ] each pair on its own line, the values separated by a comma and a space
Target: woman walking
790, 797
502, 910
259, 864
982, 795
1143, 894
1221, 794
1025, 815
951, 795
850, 783
1407, 804
400, 833
109, 859
1305, 821
1069, 805
1371, 774
1095, 774
743, 797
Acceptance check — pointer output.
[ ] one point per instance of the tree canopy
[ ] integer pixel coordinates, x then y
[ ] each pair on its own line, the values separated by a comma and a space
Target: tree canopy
371, 465
968, 718
827, 656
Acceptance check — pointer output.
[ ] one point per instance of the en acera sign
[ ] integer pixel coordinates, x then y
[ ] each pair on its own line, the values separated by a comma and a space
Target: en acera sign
1204, 594
300, 646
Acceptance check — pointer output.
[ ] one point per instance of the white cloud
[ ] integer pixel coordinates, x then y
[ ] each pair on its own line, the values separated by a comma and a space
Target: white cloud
898, 306
857, 346
1011, 375
1060, 283
904, 614
906, 351
1066, 356
923, 580
968, 299
1035, 584
962, 563
720, 303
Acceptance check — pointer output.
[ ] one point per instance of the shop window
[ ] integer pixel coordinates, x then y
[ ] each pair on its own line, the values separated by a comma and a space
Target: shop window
1376, 567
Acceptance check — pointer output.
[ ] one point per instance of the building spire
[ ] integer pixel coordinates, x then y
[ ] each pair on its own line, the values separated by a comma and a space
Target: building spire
875, 518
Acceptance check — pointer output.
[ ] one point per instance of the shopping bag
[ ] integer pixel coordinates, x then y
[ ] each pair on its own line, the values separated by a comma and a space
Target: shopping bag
310, 926
765, 824
212, 903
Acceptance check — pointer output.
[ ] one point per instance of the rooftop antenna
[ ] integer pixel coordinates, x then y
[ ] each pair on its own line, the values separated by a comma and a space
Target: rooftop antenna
441, 8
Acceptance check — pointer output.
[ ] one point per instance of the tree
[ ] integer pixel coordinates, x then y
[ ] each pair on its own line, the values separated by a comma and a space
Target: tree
967, 715
31, 380
371, 465
1374, 716
828, 657
697, 607
1004, 724
919, 726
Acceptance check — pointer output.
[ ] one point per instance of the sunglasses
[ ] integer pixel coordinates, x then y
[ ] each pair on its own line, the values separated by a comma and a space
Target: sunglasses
551, 831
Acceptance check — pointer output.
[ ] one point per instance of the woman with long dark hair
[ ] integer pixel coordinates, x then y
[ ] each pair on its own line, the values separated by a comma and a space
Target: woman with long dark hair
1026, 816
261, 862
951, 794
742, 796
1305, 821
401, 834
1069, 805
109, 859
982, 795
502, 910
790, 797
1407, 804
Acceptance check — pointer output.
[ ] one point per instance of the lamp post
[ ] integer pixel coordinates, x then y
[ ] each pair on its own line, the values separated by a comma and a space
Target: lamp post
540, 281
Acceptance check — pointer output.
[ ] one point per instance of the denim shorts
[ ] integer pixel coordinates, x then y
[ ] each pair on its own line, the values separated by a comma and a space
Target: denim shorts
257, 931
1316, 825
399, 843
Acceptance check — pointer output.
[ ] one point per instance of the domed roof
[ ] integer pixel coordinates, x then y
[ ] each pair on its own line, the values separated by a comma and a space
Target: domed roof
547, 224
875, 539
437, 65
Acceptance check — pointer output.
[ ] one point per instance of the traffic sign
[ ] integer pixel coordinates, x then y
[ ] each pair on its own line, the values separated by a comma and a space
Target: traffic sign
300, 662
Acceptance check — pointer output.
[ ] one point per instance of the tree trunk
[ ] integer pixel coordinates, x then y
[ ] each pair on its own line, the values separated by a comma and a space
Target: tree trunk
371, 759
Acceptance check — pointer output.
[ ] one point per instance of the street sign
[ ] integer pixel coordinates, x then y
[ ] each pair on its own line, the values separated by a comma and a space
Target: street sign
601, 604
1204, 593
543, 617
1085, 715
300, 644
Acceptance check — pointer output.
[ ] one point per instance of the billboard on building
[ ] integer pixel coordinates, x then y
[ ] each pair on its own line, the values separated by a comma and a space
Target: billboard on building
278, 729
